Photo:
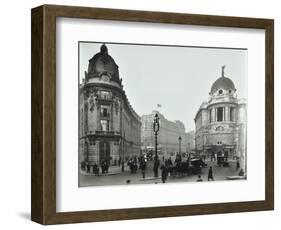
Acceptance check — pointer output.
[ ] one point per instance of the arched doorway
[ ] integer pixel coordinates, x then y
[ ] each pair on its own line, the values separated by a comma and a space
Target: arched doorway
104, 151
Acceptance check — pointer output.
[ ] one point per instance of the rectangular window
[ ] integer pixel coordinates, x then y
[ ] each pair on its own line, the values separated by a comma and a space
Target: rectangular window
210, 116
231, 114
104, 125
104, 111
105, 94
220, 114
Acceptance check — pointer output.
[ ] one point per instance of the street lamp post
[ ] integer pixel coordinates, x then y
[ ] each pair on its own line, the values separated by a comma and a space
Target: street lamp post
156, 126
180, 145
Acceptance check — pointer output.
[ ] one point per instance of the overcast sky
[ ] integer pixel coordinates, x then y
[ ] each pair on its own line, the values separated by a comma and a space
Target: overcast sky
178, 78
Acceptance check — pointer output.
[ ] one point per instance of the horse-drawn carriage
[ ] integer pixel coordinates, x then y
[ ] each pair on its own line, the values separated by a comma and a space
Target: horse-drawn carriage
187, 168
222, 161
196, 165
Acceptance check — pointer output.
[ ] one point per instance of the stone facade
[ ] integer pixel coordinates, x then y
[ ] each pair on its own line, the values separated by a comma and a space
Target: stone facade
109, 127
221, 122
168, 135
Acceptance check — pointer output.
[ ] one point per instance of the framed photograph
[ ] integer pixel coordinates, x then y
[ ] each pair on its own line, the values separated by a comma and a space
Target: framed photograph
140, 114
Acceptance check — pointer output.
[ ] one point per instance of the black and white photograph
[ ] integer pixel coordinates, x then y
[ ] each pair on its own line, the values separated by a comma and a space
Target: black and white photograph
160, 114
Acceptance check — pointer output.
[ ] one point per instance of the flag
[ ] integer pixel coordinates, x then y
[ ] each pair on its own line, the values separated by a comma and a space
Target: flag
159, 106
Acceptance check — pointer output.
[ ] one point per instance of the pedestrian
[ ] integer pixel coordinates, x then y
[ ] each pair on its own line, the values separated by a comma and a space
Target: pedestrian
83, 167
107, 164
135, 167
199, 179
122, 165
170, 163
241, 173
210, 174
187, 166
132, 166
96, 169
237, 165
87, 166
104, 167
142, 167
164, 173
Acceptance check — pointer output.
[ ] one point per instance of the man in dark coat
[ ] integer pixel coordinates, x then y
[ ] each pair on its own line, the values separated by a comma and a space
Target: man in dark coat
164, 173
103, 167
237, 164
142, 167
96, 169
210, 174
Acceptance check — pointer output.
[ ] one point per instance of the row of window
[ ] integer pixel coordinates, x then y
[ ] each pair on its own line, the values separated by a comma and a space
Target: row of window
220, 114
221, 91
105, 95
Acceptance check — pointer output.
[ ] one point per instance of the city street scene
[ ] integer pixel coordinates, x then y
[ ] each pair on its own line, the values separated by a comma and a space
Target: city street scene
151, 114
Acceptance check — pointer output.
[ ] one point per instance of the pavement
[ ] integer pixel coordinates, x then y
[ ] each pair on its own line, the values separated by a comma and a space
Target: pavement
116, 177
111, 171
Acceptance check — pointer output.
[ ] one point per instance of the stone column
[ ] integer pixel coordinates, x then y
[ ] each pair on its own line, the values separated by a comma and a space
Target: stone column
98, 118
98, 152
85, 118
213, 114
111, 118
227, 113
216, 114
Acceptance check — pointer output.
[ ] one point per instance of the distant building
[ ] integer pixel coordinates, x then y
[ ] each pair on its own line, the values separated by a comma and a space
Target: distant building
190, 141
109, 127
221, 122
168, 136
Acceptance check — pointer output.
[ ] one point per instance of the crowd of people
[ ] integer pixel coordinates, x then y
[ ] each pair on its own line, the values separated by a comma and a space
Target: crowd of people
166, 165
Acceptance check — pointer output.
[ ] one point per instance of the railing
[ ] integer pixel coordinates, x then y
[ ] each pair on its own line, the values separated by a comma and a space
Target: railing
104, 115
100, 132
104, 97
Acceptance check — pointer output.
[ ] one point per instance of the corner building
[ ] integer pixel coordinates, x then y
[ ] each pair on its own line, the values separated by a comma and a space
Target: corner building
109, 127
220, 123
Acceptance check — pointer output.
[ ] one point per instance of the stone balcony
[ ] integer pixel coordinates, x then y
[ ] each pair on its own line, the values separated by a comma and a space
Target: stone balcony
101, 133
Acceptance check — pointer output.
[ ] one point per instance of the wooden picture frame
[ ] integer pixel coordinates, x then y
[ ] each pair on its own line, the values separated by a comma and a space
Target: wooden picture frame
43, 189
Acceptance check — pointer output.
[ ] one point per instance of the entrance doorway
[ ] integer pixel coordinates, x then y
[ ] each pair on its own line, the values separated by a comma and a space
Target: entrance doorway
104, 151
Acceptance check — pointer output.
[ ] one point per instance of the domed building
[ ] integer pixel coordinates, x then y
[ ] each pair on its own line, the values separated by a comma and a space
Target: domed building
220, 123
110, 129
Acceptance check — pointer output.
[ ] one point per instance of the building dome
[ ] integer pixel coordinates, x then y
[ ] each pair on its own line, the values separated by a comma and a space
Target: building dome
222, 83
103, 64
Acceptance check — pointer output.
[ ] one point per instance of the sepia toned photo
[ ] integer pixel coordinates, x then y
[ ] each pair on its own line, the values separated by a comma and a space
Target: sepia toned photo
160, 114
